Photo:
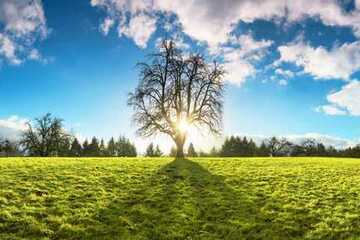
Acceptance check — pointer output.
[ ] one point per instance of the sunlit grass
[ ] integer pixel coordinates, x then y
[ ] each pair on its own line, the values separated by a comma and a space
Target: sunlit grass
287, 198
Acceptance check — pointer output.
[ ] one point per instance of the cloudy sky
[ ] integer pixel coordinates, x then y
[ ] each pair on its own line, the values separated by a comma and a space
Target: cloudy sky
292, 65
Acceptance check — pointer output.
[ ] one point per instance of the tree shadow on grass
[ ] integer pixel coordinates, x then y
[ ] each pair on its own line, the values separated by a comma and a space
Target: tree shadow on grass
183, 200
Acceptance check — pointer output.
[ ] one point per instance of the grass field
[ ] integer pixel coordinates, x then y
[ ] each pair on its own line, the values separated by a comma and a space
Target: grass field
287, 198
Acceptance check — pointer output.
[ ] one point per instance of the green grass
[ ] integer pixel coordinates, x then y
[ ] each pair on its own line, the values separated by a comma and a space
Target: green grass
279, 198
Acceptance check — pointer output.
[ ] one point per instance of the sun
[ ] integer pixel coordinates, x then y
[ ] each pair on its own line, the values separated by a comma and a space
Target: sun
183, 126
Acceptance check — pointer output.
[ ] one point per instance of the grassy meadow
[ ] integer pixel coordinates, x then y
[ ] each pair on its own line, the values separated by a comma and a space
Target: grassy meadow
134, 198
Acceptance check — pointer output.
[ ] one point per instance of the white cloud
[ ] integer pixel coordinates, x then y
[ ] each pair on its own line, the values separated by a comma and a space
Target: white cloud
212, 21
240, 56
283, 82
23, 17
135, 19
140, 29
106, 25
12, 127
202, 20
22, 22
284, 73
328, 11
251, 48
345, 101
34, 54
8, 49
238, 71
339, 62
331, 110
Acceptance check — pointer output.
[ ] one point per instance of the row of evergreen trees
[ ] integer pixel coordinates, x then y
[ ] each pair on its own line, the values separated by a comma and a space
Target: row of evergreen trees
191, 152
71, 147
154, 151
95, 148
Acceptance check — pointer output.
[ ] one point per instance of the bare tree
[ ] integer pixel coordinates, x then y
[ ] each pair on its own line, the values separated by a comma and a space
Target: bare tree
176, 91
278, 146
45, 137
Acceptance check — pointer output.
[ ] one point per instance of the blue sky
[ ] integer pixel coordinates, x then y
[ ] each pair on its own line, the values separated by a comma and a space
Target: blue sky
292, 65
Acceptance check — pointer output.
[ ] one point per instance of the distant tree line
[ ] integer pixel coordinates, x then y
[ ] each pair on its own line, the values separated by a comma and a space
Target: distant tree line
9, 148
46, 137
235, 146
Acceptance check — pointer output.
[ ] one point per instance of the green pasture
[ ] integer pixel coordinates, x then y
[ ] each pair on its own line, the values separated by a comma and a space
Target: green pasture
215, 198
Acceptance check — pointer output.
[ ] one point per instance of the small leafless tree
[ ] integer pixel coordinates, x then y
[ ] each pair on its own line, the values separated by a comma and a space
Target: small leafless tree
176, 91
44, 137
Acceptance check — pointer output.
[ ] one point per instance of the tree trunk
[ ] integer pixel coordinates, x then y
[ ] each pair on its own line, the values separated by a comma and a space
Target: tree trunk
179, 151
180, 140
